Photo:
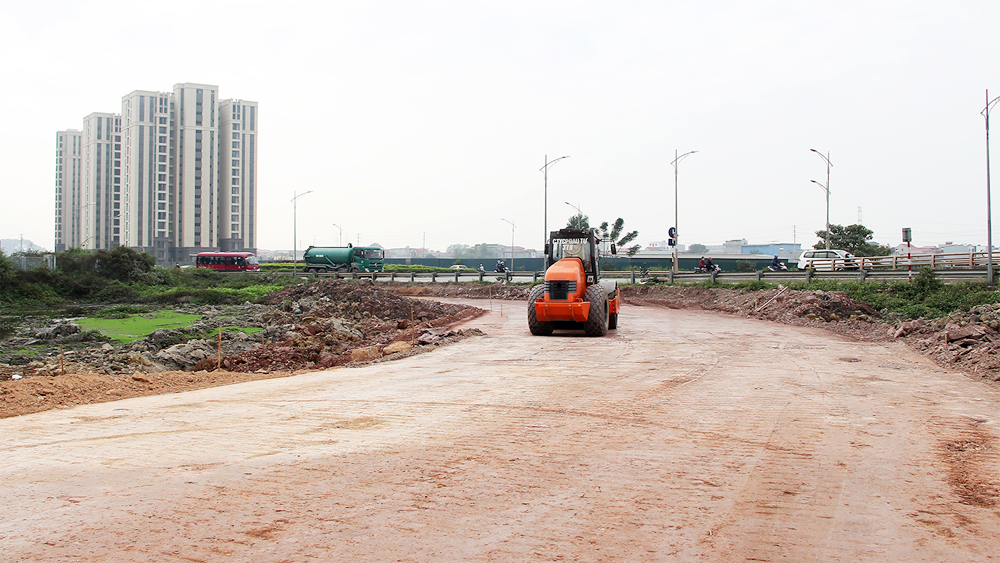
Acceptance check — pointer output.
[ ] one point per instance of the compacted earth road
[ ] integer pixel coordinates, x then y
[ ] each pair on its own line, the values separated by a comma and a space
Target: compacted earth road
682, 436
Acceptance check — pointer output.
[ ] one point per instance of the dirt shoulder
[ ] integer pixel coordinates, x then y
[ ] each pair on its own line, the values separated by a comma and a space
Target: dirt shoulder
335, 323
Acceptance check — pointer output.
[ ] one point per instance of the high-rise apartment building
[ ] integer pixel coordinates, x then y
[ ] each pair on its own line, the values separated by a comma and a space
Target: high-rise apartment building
69, 151
174, 174
238, 174
101, 180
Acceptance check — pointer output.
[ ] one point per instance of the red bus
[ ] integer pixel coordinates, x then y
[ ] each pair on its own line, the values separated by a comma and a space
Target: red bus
228, 261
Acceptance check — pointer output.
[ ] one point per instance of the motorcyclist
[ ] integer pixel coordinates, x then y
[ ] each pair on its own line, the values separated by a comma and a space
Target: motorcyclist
500, 266
701, 263
709, 266
775, 263
481, 269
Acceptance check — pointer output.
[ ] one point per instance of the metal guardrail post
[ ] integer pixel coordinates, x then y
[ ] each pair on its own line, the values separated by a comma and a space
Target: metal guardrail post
434, 276
713, 275
413, 276
633, 276
456, 277
671, 276
809, 275
760, 275
481, 274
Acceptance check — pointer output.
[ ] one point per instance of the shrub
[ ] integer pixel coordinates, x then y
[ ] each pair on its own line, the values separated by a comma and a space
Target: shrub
119, 312
116, 291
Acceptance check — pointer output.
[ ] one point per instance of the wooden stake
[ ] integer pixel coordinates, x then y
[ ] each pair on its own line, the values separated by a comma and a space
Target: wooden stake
412, 328
220, 349
62, 362
491, 299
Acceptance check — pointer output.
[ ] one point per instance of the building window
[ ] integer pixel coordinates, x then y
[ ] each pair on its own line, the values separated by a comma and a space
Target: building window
234, 209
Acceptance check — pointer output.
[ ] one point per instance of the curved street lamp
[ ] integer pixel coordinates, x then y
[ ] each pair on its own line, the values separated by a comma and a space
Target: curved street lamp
989, 216
340, 234
826, 188
675, 163
295, 255
575, 207
545, 220
511, 243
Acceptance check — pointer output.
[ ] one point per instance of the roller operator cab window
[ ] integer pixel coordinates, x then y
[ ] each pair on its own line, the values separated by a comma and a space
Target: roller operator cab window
571, 248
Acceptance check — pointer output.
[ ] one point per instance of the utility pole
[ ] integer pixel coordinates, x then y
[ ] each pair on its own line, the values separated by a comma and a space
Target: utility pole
989, 215
545, 212
676, 165
826, 188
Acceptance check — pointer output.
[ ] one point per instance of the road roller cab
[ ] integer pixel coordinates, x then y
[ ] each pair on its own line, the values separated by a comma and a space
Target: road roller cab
573, 296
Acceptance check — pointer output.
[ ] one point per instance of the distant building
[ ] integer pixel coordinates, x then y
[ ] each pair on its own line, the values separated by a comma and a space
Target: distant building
902, 249
69, 188
790, 250
174, 174
951, 248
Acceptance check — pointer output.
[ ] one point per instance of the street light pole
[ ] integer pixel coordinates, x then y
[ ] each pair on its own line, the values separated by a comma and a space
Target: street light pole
295, 233
989, 215
545, 220
340, 235
826, 188
511, 243
575, 207
675, 164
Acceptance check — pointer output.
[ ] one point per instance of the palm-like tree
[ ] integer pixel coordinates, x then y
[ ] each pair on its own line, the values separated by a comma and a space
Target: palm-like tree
616, 232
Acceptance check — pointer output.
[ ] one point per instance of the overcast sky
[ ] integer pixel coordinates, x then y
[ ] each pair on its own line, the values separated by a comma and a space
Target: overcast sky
413, 119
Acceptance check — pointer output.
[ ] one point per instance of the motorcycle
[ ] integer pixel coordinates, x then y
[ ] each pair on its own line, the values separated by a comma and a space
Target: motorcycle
781, 267
503, 269
715, 268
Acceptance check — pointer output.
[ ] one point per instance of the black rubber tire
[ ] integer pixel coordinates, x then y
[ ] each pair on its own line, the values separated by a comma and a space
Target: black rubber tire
612, 321
537, 327
355, 269
597, 319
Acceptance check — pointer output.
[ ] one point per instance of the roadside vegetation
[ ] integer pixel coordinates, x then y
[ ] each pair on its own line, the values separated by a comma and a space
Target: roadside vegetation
926, 296
123, 275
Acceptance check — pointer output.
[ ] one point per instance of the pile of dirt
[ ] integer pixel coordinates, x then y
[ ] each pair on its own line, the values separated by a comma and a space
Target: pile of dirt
965, 340
317, 326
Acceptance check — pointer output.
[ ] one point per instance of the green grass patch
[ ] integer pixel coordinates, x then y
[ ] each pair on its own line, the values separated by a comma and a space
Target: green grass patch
119, 312
133, 328
243, 329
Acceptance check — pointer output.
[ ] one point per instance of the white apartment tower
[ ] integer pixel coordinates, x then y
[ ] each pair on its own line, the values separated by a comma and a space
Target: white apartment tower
238, 174
69, 159
146, 201
174, 175
101, 180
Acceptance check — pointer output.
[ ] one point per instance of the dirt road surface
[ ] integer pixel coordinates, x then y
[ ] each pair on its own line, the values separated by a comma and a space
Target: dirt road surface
683, 436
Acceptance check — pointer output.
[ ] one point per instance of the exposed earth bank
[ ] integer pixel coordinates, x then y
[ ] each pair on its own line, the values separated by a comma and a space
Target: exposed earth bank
342, 323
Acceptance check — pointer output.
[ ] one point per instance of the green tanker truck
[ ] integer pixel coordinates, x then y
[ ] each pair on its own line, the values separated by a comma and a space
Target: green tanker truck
343, 258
